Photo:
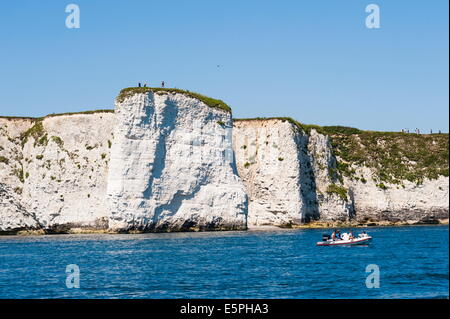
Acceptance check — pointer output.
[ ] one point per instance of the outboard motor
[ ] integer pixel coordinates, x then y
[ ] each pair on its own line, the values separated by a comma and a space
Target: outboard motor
325, 237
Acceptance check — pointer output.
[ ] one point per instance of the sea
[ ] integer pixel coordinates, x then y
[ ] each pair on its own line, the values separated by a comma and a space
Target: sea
400, 262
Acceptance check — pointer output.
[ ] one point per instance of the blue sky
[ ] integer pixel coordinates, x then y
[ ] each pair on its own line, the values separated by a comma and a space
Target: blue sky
312, 60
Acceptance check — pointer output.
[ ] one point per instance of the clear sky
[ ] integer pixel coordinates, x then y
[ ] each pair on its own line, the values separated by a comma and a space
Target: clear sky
312, 60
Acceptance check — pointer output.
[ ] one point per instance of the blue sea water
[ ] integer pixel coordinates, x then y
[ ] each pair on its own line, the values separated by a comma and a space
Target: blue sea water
413, 263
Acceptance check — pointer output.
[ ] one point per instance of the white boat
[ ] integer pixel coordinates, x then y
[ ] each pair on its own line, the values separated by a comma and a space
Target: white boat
362, 239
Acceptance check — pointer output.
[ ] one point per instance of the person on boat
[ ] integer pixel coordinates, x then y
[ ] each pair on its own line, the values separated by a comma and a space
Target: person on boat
336, 235
350, 235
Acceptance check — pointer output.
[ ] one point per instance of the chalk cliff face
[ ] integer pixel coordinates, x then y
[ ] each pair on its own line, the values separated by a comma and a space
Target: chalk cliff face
172, 160
172, 166
56, 169
293, 175
268, 163
285, 172
14, 217
334, 205
427, 202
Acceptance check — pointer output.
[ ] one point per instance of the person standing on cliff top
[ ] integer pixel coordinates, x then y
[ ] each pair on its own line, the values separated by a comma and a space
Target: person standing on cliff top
162, 84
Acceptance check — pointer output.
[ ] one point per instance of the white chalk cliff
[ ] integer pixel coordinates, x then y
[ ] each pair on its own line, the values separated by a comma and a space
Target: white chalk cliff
57, 168
290, 178
285, 172
172, 166
172, 160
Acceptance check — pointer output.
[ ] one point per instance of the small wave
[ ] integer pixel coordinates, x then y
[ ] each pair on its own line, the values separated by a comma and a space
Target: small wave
437, 275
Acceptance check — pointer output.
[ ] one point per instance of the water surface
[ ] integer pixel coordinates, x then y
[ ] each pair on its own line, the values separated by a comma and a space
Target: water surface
413, 263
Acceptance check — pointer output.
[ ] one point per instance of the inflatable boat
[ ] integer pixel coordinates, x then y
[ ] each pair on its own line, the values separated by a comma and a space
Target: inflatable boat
362, 239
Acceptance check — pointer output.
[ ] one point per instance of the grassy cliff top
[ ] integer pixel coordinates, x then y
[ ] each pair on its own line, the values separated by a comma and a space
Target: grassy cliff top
393, 156
326, 130
55, 114
127, 92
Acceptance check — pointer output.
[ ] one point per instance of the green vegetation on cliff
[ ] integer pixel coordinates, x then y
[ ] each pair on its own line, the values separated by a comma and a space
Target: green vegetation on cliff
338, 190
394, 157
127, 92
81, 112
36, 131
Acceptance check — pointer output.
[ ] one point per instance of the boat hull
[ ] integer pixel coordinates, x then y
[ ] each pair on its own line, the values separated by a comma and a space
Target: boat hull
355, 241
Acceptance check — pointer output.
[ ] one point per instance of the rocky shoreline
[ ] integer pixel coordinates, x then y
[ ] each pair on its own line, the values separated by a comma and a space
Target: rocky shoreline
312, 225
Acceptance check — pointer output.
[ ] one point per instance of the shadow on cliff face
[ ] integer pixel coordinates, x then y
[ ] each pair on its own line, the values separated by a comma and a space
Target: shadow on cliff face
167, 125
172, 207
310, 207
351, 204
310, 210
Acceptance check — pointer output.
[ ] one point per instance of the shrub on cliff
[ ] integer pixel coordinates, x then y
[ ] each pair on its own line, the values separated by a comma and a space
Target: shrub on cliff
36, 131
338, 190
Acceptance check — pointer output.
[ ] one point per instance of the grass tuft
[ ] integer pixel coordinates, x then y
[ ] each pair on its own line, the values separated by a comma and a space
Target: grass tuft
338, 190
